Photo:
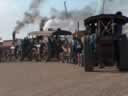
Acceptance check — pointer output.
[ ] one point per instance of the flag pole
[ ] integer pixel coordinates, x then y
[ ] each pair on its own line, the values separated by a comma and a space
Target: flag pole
103, 7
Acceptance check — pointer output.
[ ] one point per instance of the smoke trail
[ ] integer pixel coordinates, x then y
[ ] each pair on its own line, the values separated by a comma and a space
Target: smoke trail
60, 20
30, 16
35, 4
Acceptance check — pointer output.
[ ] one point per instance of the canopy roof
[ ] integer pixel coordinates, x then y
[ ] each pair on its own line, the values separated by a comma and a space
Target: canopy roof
40, 33
116, 18
62, 32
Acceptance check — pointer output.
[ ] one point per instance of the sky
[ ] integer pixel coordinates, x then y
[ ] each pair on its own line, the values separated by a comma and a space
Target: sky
13, 10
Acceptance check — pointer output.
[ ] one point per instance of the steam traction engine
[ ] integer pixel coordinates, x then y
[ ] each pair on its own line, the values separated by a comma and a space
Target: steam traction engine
105, 44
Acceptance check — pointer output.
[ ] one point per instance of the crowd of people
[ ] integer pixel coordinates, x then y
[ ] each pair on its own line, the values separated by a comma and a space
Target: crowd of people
43, 49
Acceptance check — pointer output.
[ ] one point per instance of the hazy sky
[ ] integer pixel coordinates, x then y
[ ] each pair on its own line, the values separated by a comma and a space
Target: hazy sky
13, 10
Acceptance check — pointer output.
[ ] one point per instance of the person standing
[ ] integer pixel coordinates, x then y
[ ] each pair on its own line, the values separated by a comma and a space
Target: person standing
77, 49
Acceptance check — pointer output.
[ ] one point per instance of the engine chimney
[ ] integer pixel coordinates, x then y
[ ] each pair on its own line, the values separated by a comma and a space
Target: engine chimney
42, 24
14, 36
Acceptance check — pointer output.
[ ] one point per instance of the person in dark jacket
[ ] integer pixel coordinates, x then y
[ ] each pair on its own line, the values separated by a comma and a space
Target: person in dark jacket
27, 46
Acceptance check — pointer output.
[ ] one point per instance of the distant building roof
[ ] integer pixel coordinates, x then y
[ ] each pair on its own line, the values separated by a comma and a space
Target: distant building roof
7, 43
40, 33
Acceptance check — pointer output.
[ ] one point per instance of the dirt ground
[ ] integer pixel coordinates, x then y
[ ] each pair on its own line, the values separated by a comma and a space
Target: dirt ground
54, 79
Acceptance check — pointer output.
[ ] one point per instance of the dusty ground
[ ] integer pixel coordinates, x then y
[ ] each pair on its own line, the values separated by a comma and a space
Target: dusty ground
38, 79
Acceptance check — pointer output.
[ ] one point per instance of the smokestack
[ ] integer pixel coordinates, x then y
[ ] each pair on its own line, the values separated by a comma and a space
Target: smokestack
41, 25
78, 26
14, 36
43, 21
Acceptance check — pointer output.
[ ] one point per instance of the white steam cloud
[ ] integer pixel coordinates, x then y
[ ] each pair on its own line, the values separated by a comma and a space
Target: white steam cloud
60, 19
